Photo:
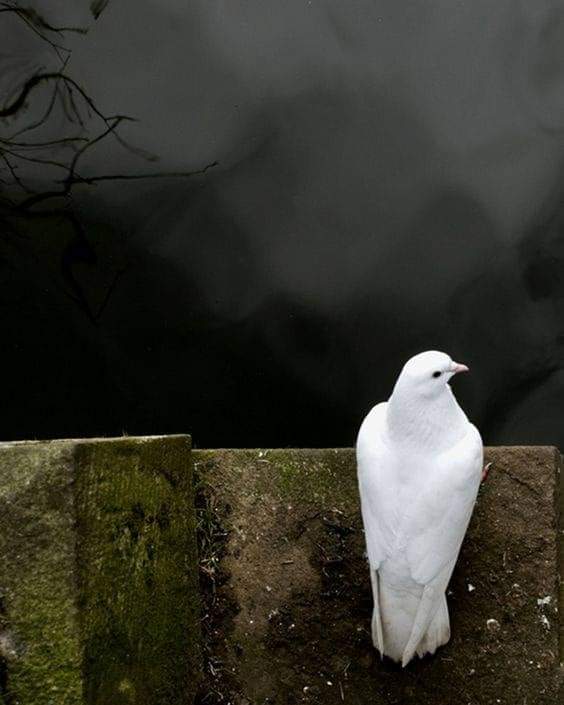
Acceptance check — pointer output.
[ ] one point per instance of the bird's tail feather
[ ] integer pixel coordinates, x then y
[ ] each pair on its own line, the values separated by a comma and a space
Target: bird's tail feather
397, 610
392, 622
438, 632
377, 635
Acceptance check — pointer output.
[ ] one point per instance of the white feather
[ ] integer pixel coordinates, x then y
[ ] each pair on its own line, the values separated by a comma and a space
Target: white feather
419, 467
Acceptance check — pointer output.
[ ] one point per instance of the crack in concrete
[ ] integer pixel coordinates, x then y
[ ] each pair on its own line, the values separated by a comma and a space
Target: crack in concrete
521, 482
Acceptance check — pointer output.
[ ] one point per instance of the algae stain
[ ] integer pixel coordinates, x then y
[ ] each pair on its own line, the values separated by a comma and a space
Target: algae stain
127, 688
6, 650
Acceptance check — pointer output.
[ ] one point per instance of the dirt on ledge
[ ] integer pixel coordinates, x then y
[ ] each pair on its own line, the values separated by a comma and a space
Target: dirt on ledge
287, 596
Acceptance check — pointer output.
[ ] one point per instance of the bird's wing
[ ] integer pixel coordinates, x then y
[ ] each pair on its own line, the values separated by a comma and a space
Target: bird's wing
434, 527
376, 487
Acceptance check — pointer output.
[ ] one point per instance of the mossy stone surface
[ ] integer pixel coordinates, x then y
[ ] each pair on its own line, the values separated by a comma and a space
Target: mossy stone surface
40, 636
98, 572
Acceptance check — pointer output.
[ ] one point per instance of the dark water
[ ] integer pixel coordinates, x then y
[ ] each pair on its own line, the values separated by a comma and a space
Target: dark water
389, 179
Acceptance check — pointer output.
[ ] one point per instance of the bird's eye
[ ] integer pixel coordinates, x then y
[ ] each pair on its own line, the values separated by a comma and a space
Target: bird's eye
437, 374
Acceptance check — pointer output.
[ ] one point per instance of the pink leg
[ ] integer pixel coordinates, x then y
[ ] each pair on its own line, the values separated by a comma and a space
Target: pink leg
485, 471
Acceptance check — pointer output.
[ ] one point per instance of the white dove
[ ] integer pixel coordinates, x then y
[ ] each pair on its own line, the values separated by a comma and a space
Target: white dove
419, 469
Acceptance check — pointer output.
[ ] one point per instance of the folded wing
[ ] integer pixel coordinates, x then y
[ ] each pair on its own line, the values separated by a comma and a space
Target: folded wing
435, 525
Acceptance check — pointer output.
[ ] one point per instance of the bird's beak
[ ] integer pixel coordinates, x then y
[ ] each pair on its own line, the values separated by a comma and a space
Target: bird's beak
457, 367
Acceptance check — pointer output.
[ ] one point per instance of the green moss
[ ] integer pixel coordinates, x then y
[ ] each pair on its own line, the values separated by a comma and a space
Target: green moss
324, 478
37, 575
98, 572
138, 568
321, 477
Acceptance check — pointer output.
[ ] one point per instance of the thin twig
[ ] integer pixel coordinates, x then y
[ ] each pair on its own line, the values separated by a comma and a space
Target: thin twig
14, 175
133, 177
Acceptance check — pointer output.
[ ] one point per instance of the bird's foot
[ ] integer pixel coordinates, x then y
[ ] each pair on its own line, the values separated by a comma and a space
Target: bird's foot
485, 471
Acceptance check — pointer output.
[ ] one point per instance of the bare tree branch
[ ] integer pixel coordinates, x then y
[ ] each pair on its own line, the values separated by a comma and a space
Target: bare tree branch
31, 15
134, 177
12, 170
42, 120
38, 79
69, 101
50, 143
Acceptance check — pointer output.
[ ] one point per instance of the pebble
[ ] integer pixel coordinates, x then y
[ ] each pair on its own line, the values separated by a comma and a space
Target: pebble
544, 620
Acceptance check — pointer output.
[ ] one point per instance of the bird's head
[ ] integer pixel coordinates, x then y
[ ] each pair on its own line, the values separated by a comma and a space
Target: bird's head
428, 373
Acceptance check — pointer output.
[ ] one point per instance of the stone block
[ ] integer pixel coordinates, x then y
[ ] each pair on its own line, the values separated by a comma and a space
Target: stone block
98, 572
287, 604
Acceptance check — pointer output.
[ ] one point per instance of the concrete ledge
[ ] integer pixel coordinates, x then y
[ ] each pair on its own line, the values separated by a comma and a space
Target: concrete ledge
99, 583
98, 572
287, 598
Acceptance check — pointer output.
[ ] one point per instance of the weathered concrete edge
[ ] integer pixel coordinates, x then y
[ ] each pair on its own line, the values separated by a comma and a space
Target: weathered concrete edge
93, 439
